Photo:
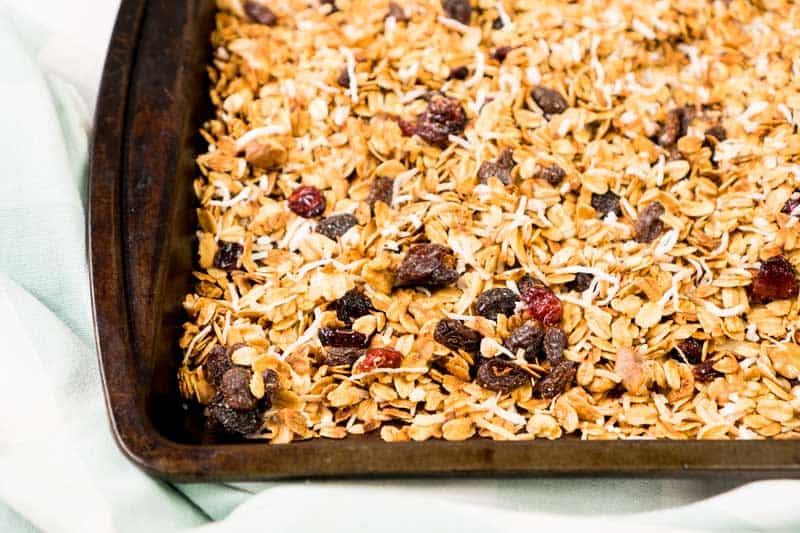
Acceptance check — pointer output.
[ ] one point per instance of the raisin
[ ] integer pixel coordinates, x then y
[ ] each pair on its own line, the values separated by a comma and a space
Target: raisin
549, 101
500, 375
553, 174
649, 226
307, 201
496, 301
606, 203
353, 304
543, 305
581, 282
442, 117
217, 363
705, 372
675, 126
380, 358
555, 342
227, 256
776, 280
456, 336
335, 226
427, 264
459, 10
459, 73
557, 380
499, 168
380, 190
497, 24
343, 338
232, 420
792, 204
332, 3
260, 13
691, 348
397, 12
526, 282
339, 355
271, 386
501, 52
718, 132
235, 389
527, 337
343, 79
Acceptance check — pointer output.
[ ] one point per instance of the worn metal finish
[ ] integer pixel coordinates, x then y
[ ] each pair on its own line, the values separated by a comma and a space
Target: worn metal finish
152, 101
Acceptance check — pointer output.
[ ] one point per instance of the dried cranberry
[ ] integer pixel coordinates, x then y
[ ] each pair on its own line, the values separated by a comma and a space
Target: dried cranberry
235, 389
343, 80
528, 338
456, 336
501, 52
335, 226
792, 204
217, 363
649, 225
443, 117
549, 101
704, 372
380, 190
675, 126
397, 12
543, 305
339, 355
775, 280
553, 174
307, 201
557, 380
260, 13
496, 301
581, 282
554, 343
427, 264
500, 375
232, 420
345, 338
606, 203
459, 10
459, 73
497, 24
691, 348
380, 358
353, 304
499, 168
227, 256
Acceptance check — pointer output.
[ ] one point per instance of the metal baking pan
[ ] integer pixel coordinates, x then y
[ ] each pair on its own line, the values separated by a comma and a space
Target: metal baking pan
152, 101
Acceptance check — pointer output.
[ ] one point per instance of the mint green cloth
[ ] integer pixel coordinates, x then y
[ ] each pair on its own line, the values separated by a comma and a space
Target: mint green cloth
59, 467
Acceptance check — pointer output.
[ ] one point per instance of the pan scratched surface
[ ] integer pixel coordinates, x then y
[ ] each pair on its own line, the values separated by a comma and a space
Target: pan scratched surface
152, 101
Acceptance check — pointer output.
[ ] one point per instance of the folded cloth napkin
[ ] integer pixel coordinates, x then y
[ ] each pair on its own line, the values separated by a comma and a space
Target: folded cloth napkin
59, 467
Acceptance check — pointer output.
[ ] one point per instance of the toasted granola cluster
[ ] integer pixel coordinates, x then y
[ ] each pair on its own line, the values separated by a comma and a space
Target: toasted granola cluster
514, 220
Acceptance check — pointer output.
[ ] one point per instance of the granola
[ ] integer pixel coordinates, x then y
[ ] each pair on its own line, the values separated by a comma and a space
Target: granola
512, 220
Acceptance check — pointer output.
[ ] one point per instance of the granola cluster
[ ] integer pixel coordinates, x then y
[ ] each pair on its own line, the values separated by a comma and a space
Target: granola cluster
510, 219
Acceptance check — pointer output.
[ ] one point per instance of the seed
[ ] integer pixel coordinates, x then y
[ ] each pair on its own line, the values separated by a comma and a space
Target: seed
557, 381
606, 203
456, 336
428, 265
776, 280
543, 305
380, 190
335, 226
307, 201
496, 301
528, 337
260, 13
343, 338
553, 174
228, 255
353, 304
380, 358
459, 10
549, 101
649, 226
500, 375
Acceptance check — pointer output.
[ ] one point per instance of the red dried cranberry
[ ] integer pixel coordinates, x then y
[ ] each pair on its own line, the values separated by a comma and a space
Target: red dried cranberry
543, 305
260, 13
775, 280
691, 348
345, 338
459, 10
380, 358
792, 205
443, 117
307, 201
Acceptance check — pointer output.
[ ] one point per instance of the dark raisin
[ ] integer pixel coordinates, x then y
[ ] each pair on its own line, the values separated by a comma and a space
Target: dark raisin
235, 389
549, 101
691, 348
217, 363
332, 3
338, 355
649, 225
543, 305
500, 375
380, 190
260, 13
353, 304
307, 201
581, 282
501, 52
271, 386
459, 10
500, 168
497, 24
718, 132
527, 337
345, 338
227, 256
443, 117
496, 301
232, 420
555, 342
407, 128
675, 126
343, 79
380, 358
705, 372
792, 204
606, 203
776, 280
459, 73
427, 264
335, 226
396, 11
554, 174
557, 380
456, 336
526, 282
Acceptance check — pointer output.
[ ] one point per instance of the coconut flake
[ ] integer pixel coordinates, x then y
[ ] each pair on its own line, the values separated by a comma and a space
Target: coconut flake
307, 336
351, 73
501, 12
230, 202
269, 129
727, 312
480, 64
202, 333
452, 24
